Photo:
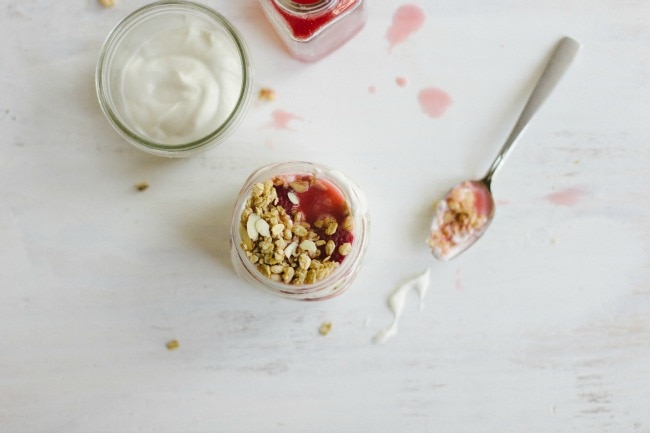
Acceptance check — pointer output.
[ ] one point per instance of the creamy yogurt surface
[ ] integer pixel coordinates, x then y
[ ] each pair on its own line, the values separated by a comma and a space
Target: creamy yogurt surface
183, 83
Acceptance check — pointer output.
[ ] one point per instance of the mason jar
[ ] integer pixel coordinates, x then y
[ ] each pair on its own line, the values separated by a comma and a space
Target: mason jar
299, 230
174, 78
312, 29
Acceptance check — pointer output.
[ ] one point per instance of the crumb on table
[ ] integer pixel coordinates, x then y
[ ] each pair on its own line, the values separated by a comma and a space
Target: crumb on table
267, 94
325, 328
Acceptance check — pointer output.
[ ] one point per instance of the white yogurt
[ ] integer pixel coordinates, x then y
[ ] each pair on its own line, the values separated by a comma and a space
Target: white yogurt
182, 84
396, 303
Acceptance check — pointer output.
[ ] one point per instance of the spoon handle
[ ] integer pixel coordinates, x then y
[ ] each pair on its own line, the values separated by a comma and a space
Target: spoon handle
557, 65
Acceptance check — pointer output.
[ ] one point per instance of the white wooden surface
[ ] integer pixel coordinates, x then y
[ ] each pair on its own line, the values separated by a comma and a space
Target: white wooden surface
544, 326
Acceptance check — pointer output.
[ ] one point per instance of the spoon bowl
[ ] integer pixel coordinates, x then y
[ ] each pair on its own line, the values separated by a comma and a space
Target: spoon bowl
467, 210
461, 218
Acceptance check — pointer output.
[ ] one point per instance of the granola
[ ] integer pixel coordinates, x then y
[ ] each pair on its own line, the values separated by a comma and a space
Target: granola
458, 218
267, 94
325, 328
290, 235
172, 345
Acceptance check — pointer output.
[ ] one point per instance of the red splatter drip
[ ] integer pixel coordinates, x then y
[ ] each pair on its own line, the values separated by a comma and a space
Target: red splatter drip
434, 102
401, 81
407, 20
567, 197
280, 119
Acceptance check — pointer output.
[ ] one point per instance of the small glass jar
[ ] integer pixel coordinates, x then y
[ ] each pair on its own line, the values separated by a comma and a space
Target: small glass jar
311, 29
330, 190
174, 78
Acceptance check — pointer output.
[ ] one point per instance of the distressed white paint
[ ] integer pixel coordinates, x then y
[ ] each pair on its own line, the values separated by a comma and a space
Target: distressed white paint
544, 325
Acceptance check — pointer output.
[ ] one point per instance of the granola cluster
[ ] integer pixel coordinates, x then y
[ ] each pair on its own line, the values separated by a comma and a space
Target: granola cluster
281, 243
457, 219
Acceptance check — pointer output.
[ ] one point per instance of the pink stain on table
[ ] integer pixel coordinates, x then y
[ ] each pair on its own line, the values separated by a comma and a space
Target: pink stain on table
459, 281
407, 20
280, 119
566, 197
401, 81
372, 90
434, 102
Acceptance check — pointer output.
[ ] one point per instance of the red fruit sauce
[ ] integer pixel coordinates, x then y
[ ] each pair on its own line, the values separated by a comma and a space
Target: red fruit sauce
322, 199
482, 200
304, 26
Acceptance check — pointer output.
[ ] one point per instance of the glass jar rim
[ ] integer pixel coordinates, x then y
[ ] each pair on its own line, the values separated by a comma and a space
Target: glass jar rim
306, 6
111, 44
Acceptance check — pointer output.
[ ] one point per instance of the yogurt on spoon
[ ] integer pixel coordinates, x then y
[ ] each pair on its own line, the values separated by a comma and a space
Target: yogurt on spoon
460, 219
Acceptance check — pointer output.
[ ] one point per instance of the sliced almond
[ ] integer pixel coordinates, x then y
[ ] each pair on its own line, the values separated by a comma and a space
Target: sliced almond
253, 234
289, 250
245, 238
293, 198
262, 227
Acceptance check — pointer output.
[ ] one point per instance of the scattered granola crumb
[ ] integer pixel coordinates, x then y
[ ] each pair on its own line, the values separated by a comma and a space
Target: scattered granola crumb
107, 3
325, 328
142, 186
267, 94
172, 345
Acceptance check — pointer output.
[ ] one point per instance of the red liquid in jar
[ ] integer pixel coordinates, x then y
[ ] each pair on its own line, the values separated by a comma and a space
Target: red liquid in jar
304, 26
312, 29
322, 199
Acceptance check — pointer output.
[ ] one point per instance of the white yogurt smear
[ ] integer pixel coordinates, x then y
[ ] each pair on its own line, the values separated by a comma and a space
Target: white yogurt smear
182, 84
396, 303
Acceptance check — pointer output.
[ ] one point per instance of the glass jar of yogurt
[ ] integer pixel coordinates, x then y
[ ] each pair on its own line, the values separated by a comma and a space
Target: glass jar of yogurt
174, 78
299, 230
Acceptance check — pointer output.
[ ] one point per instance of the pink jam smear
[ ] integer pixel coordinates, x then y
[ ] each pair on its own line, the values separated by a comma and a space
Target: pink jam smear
407, 20
434, 102
567, 197
280, 119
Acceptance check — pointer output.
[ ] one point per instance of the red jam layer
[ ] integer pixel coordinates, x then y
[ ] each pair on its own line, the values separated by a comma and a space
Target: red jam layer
322, 199
482, 200
304, 26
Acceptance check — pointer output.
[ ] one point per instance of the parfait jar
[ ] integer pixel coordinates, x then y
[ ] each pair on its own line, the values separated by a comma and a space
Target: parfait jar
311, 29
299, 230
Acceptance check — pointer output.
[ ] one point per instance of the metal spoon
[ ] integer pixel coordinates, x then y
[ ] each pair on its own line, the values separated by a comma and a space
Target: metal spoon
467, 210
